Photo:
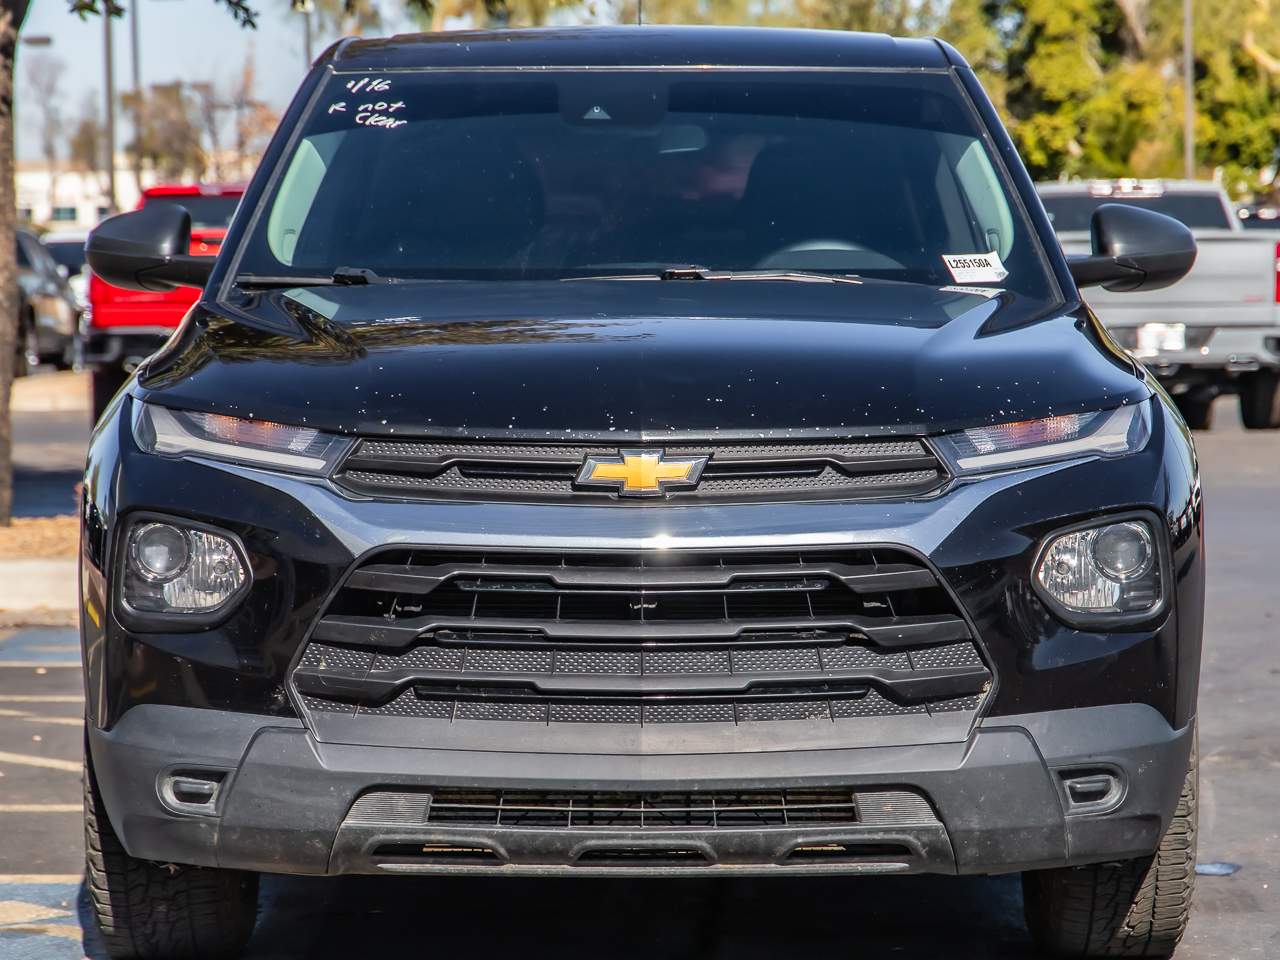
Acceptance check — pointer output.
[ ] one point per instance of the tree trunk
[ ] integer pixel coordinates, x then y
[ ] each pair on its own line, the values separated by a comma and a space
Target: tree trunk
12, 13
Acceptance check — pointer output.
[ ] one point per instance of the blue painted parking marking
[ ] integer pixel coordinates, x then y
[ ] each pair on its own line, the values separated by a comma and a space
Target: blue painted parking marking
40, 645
40, 920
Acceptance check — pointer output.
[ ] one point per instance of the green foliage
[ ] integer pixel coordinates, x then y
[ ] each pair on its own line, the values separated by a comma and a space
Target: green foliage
1094, 87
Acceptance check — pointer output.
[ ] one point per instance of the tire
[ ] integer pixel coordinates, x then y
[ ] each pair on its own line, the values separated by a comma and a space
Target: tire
1196, 408
27, 357
150, 910
105, 383
1130, 908
1260, 400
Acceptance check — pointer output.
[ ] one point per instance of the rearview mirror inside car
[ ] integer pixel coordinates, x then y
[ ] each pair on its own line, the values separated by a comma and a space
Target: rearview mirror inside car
1134, 249
147, 250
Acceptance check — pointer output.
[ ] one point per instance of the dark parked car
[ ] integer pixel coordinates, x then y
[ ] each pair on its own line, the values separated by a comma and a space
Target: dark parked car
48, 313
641, 452
67, 249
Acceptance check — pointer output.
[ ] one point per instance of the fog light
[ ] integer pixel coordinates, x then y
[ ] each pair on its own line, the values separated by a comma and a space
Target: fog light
159, 551
1107, 571
181, 570
1123, 551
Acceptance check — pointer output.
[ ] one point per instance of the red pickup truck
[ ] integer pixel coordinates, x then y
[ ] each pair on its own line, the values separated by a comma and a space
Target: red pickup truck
125, 326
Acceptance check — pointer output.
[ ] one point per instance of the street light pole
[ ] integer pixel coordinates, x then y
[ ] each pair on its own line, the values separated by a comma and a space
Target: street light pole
109, 82
1188, 94
139, 102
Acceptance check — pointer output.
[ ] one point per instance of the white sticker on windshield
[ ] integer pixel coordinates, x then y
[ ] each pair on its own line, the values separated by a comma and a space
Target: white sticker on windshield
975, 267
987, 292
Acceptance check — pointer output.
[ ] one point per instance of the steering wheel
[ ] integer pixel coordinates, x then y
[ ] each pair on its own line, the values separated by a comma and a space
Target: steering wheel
827, 254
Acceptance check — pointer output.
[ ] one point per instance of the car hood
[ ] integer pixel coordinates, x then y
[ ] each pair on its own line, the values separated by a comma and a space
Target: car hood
639, 359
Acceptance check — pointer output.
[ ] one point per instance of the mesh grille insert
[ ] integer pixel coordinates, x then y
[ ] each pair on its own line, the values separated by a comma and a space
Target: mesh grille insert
584, 810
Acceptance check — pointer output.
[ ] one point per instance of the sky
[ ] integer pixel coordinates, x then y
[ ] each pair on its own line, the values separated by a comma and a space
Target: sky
194, 40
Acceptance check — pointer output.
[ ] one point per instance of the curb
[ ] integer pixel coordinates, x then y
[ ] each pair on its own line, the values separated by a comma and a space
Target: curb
10, 619
38, 587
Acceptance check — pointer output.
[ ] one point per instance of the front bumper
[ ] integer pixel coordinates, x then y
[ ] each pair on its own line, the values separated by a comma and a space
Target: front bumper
998, 797
1063, 699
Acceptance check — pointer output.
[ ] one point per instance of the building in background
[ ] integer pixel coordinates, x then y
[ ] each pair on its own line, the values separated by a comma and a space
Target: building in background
66, 199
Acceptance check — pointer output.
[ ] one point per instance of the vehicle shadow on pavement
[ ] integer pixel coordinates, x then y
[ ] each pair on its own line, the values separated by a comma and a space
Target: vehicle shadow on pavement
904, 918
911, 918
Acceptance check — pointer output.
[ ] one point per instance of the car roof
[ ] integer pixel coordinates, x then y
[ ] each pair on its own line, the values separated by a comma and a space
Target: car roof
640, 46
194, 189
1152, 187
66, 236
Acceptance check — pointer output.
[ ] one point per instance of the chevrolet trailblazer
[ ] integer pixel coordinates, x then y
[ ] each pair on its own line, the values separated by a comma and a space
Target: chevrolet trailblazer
641, 452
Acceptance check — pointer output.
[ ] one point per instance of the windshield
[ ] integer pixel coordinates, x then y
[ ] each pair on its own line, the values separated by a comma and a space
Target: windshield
1199, 211
208, 212
68, 253
501, 175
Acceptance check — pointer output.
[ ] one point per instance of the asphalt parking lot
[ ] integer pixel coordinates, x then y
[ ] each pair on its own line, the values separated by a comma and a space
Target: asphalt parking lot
43, 913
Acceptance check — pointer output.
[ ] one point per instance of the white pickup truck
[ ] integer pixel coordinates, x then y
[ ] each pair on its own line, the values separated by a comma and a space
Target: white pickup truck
1218, 330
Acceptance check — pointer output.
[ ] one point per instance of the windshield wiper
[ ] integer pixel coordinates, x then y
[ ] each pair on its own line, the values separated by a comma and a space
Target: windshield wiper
702, 273
341, 277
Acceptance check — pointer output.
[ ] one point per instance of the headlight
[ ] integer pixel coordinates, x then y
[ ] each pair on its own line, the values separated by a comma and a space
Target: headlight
1103, 433
1106, 572
259, 442
173, 568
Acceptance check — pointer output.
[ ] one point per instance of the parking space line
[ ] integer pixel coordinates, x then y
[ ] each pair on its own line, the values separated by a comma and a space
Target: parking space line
26, 879
66, 931
51, 763
40, 808
40, 664
28, 717
19, 911
41, 698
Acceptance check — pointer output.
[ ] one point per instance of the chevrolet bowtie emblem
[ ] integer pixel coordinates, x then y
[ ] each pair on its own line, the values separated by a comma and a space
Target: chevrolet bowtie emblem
641, 473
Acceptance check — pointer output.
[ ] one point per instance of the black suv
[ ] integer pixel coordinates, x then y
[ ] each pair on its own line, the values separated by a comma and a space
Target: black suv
641, 452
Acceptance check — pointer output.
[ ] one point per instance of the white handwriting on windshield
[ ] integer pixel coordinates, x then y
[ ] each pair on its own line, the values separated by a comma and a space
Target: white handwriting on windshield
380, 114
372, 113
369, 85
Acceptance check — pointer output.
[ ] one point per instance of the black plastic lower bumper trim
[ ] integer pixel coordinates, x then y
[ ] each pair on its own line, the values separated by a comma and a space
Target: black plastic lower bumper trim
285, 797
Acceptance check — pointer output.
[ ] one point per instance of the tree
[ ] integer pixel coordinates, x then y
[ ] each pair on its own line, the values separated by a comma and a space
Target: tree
85, 141
253, 121
210, 107
44, 79
12, 15
170, 140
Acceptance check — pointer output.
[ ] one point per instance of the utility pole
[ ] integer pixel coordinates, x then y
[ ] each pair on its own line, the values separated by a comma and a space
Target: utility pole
305, 7
109, 82
1188, 94
139, 102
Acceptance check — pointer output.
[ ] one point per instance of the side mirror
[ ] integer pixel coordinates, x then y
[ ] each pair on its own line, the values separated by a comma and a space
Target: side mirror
147, 250
1134, 249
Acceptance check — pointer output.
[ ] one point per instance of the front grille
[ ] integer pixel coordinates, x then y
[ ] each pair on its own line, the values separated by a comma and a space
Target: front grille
584, 810
734, 472
641, 638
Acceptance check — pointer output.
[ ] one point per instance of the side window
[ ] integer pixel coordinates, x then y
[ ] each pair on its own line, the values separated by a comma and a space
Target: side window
22, 252
298, 192
986, 199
